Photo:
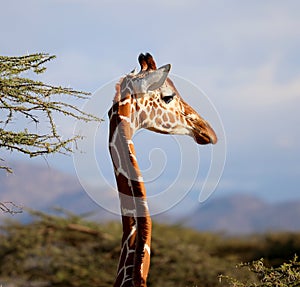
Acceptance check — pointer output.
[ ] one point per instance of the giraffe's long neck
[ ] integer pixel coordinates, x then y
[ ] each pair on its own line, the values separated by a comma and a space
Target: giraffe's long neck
135, 253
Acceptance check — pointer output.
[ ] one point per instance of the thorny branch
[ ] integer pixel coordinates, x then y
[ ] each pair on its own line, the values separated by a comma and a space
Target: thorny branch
10, 207
23, 98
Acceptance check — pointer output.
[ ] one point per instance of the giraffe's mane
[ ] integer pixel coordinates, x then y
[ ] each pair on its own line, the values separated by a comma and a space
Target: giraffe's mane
117, 97
118, 92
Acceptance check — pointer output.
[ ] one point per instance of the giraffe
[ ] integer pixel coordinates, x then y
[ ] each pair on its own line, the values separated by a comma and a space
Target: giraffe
146, 99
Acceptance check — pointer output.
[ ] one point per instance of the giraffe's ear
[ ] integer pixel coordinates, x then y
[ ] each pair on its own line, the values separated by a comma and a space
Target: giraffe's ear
152, 80
155, 79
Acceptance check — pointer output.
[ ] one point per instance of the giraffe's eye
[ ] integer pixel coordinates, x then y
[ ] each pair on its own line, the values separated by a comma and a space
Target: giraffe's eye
168, 99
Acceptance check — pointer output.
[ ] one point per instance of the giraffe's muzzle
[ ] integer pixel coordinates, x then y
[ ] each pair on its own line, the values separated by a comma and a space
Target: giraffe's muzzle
204, 134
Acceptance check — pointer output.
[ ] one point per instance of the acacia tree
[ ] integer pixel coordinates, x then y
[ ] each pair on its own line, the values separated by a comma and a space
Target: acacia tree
24, 101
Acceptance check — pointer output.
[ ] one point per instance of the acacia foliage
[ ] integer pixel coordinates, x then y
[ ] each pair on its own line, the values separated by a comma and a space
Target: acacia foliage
27, 102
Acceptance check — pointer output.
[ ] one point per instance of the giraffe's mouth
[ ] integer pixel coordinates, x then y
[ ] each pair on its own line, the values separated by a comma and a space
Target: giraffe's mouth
204, 134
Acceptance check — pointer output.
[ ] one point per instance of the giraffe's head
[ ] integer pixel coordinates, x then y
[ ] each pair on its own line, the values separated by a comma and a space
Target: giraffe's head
158, 105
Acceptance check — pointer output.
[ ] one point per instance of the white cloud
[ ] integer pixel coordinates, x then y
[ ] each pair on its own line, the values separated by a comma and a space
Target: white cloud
258, 87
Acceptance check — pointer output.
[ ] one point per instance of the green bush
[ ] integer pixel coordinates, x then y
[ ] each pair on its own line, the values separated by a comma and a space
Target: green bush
287, 274
67, 250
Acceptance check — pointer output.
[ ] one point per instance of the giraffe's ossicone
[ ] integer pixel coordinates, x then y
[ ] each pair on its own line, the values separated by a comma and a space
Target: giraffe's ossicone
146, 99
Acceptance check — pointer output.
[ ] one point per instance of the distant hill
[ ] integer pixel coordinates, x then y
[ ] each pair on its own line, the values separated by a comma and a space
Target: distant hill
240, 214
41, 188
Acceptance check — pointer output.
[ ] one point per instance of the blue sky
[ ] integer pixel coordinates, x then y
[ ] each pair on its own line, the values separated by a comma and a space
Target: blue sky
243, 54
